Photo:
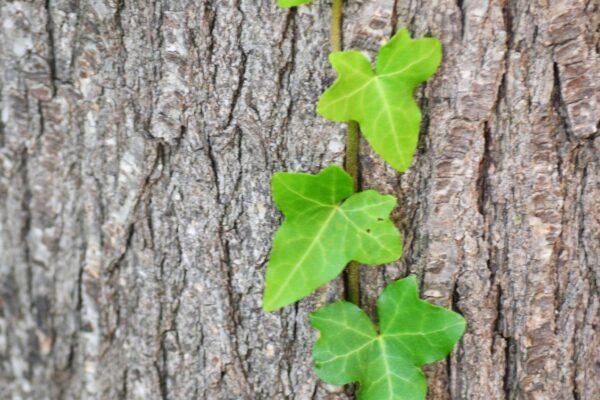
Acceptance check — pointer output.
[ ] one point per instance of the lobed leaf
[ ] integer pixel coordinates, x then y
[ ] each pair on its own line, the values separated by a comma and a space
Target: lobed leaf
291, 3
321, 234
382, 102
386, 365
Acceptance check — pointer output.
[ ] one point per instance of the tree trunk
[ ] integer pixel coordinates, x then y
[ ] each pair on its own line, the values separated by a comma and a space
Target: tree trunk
137, 143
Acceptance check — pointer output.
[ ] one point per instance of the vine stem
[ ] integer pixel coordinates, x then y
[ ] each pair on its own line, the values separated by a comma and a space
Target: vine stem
351, 163
336, 25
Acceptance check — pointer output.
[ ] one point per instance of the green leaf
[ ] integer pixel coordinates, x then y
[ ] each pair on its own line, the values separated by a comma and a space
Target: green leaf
382, 102
386, 365
320, 236
291, 3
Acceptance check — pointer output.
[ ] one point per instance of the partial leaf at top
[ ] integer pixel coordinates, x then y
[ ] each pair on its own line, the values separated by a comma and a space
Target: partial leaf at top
326, 226
388, 364
291, 3
382, 102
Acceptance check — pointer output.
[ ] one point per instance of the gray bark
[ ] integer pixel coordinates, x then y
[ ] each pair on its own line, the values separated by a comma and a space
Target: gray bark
137, 142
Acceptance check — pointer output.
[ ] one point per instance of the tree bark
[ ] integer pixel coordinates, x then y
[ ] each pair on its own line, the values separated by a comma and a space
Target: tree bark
137, 143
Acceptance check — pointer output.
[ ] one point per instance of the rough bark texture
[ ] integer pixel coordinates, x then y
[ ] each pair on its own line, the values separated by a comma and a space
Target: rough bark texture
137, 142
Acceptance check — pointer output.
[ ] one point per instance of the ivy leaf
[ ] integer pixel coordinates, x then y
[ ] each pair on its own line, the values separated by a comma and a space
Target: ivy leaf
321, 234
383, 102
291, 3
386, 365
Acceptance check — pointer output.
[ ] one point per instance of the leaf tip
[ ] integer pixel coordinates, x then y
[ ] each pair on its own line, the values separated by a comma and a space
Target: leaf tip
463, 324
403, 32
269, 300
268, 306
291, 3
392, 200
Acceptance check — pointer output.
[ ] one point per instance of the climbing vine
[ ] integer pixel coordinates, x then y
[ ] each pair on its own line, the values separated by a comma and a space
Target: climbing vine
329, 225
